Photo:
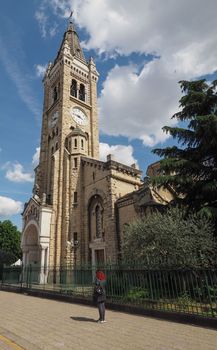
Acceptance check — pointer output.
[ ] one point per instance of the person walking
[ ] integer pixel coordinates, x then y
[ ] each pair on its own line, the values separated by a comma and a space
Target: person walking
99, 295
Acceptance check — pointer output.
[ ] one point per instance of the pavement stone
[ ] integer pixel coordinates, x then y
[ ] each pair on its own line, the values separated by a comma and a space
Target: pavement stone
36, 323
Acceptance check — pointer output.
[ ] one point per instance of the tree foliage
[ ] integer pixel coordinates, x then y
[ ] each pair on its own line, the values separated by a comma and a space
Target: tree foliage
191, 169
10, 237
170, 239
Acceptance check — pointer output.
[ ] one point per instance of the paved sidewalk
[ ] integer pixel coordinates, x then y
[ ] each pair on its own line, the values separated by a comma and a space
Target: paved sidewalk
35, 324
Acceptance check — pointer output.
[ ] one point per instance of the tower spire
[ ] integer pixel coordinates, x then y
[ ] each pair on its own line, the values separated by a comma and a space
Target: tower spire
73, 41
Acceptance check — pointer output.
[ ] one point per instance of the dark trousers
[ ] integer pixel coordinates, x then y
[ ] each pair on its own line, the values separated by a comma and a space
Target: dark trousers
101, 308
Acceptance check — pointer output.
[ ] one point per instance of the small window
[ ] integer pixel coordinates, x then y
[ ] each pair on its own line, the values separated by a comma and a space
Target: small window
93, 176
75, 236
52, 150
55, 94
73, 88
82, 92
75, 197
49, 199
75, 143
82, 144
56, 147
75, 162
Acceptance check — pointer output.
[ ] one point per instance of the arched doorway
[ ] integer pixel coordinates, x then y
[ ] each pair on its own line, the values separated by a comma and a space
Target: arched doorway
30, 246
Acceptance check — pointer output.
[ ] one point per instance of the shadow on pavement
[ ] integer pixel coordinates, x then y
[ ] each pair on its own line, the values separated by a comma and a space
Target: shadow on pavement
84, 319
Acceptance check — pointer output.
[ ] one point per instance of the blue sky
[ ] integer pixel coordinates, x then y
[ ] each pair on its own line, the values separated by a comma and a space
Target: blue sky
142, 49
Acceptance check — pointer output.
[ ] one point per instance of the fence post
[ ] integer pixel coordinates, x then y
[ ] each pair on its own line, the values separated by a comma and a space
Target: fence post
150, 283
21, 279
208, 292
30, 274
3, 270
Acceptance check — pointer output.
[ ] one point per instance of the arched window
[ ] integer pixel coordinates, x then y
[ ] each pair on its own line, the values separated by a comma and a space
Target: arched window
82, 92
75, 143
82, 144
73, 88
96, 218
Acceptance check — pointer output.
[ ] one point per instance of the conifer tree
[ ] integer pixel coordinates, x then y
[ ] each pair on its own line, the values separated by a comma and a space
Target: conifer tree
191, 169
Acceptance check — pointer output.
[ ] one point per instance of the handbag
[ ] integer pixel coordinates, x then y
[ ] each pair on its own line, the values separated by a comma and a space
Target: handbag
98, 290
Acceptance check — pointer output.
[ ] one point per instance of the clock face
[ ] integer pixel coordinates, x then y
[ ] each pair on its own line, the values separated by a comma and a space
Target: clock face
53, 119
78, 116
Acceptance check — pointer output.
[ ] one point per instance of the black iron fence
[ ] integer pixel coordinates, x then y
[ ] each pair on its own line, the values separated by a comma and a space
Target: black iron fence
192, 291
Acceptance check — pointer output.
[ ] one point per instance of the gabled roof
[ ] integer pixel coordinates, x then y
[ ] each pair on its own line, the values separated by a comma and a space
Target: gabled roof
32, 200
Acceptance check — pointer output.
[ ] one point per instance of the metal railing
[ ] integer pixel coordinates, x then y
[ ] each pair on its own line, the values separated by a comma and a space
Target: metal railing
192, 291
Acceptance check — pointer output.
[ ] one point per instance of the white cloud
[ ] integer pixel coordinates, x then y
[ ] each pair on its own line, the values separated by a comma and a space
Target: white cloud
122, 154
134, 104
35, 158
11, 56
15, 173
180, 33
42, 15
60, 7
149, 26
42, 21
9, 206
40, 70
53, 30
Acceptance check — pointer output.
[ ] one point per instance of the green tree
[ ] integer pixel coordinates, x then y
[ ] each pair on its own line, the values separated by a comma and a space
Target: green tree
170, 239
10, 237
191, 170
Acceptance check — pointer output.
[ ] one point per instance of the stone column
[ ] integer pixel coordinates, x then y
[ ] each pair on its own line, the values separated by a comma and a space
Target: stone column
42, 263
24, 257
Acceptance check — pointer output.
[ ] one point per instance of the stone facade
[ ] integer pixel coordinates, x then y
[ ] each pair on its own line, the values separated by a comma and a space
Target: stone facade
71, 184
80, 204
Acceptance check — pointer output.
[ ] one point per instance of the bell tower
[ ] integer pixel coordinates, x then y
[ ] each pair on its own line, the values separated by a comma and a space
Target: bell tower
71, 219
69, 131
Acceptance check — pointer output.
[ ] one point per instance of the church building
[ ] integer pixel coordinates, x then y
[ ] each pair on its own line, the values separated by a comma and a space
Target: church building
72, 216
80, 204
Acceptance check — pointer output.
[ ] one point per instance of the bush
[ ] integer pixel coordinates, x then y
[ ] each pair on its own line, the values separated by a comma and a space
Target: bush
170, 239
138, 293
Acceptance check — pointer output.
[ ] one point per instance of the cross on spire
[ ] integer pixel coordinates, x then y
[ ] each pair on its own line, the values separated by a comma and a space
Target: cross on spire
70, 17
